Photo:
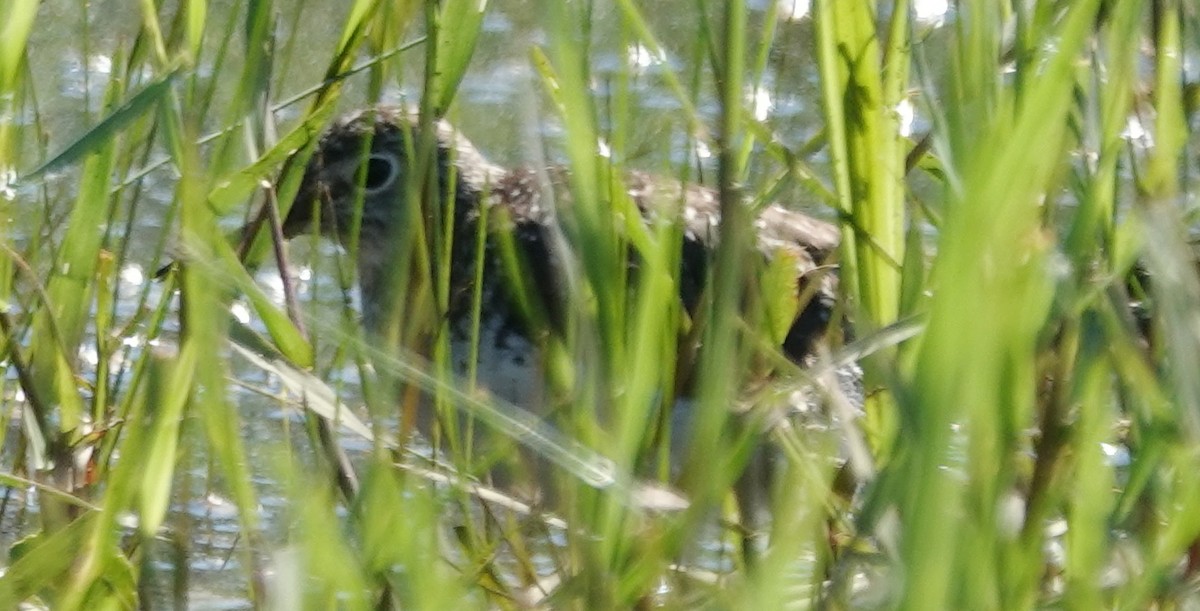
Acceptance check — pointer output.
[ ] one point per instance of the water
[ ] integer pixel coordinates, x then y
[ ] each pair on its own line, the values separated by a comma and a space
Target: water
501, 107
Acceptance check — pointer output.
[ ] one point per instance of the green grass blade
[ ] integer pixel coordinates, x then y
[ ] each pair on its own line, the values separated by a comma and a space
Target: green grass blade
978, 376
458, 31
41, 560
18, 23
101, 135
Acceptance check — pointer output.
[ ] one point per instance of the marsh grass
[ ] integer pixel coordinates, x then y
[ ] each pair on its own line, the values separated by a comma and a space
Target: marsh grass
1020, 281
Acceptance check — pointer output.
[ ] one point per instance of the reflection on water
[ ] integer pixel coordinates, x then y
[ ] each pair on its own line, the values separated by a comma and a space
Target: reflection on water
501, 107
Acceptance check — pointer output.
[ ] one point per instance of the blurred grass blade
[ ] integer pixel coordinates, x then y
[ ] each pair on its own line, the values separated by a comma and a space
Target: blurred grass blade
1170, 125
197, 15
1033, 319
317, 395
974, 369
152, 29
248, 104
42, 559
515, 422
861, 89
352, 30
222, 269
18, 20
235, 188
96, 138
1176, 292
171, 389
637, 22
458, 31
59, 328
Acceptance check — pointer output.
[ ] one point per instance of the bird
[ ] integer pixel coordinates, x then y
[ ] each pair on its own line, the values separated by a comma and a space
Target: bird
355, 190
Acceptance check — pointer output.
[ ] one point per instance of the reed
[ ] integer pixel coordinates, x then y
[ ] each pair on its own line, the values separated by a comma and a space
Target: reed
1018, 274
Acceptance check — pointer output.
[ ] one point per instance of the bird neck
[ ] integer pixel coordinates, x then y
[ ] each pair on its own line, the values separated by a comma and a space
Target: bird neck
384, 249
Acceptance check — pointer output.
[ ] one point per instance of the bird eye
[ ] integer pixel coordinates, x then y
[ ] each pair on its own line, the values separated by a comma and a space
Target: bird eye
381, 172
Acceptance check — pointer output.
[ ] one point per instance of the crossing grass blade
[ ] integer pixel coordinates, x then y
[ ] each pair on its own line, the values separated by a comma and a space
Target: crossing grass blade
1020, 284
42, 560
863, 85
58, 328
458, 24
95, 139
863, 88
18, 23
979, 376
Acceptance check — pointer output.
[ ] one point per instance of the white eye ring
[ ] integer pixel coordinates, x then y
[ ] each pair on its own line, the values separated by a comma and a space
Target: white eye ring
382, 170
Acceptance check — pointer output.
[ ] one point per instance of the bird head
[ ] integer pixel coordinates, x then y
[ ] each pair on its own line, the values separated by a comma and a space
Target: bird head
364, 165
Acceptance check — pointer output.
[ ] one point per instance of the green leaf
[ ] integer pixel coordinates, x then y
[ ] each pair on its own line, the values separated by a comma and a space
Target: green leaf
459, 22
42, 559
780, 294
234, 189
104, 132
318, 396
225, 270
18, 23
197, 14
171, 385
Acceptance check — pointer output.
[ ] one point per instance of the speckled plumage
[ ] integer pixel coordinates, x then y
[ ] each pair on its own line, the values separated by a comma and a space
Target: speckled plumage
331, 180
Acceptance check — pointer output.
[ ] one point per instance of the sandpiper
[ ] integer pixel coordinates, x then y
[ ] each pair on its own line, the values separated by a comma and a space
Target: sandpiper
338, 194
